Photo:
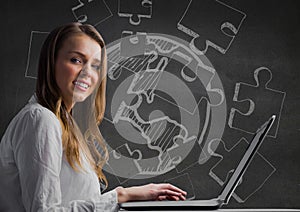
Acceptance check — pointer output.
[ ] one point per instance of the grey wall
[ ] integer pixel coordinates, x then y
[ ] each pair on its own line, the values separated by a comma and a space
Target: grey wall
185, 93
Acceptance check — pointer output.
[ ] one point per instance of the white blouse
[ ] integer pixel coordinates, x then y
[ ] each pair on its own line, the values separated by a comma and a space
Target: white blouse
34, 174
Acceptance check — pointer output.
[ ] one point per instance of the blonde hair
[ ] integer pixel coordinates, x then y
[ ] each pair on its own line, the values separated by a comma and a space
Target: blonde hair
82, 135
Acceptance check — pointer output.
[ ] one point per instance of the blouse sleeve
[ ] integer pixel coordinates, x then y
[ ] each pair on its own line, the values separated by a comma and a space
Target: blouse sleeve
38, 155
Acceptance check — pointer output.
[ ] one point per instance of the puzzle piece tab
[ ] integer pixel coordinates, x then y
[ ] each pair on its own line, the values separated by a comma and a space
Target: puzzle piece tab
188, 161
133, 55
229, 159
122, 161
199, 79
133, 45
127, 152
135, 10
224, 22
91, 11
263, 103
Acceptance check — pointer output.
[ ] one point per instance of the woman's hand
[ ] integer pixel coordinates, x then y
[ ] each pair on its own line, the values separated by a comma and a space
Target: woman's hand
162, 191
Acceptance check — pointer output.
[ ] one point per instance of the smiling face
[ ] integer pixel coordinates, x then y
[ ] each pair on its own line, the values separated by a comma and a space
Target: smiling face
77, 68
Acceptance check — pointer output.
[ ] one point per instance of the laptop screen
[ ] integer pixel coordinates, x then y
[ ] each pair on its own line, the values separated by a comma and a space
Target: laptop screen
245, 161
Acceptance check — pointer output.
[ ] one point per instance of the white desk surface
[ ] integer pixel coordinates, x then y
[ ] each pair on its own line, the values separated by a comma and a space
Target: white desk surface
242, 210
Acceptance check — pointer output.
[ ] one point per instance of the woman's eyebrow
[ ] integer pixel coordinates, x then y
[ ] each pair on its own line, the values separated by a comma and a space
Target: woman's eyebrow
77, 52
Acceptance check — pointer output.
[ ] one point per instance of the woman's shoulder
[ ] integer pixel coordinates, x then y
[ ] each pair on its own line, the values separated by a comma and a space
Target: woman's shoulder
35, 112
32, 119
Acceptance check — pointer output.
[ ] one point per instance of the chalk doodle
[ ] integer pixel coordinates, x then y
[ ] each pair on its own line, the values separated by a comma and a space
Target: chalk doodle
133, 45
91, 11
254, 99
145, 82
162, 135
224, 25
153, 106
35, 44
228, 161
135, 10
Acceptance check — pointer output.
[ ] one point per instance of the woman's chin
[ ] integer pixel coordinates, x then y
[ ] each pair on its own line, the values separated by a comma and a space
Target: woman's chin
79, 98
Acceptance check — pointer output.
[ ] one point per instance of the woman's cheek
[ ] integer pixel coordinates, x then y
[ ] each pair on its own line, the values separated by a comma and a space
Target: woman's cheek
73, 70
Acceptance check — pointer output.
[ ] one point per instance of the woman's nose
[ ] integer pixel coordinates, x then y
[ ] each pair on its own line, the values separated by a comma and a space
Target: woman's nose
86, 69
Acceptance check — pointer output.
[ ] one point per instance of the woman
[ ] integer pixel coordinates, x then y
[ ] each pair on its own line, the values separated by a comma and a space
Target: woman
49, 161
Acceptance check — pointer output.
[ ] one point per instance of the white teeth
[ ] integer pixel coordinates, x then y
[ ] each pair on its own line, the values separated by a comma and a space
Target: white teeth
81, 84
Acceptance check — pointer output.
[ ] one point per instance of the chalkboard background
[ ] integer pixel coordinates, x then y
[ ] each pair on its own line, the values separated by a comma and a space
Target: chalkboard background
251, 44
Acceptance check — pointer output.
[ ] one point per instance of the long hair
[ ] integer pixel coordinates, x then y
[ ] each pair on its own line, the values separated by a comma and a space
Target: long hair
80, 132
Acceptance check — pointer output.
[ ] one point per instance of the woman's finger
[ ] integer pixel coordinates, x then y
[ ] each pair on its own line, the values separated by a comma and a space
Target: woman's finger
173, 194
172, 188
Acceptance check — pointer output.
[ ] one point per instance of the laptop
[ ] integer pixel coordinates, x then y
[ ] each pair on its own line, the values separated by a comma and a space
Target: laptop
226, 193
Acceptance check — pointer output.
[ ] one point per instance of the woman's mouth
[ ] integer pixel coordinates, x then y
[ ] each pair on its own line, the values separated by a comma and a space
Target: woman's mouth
81, 85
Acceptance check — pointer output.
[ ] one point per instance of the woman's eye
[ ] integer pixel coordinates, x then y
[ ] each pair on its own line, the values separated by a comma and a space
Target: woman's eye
75, 60
96, 67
